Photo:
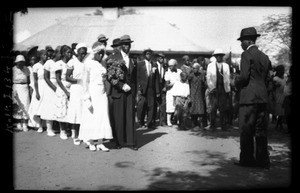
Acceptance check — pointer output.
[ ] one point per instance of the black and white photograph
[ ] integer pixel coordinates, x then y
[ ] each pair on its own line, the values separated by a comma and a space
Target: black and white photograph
150, 98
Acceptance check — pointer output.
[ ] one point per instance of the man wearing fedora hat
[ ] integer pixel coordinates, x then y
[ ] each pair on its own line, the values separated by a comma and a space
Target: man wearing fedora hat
253, 117
123, 96
116, 45
162, 68
218, 82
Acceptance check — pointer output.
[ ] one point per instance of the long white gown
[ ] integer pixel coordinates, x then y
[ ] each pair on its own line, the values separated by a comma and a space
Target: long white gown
76, 91
94, 125
35, 104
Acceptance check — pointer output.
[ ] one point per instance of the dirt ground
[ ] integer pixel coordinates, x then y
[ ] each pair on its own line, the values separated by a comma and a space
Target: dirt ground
167, 159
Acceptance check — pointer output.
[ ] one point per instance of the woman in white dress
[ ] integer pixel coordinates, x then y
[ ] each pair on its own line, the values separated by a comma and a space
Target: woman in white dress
48, 104
62, 91
37, 96
95, 125
171, 76
74, 76
21, 98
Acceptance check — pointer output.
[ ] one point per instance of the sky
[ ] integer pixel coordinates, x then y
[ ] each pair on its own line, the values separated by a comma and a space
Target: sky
209, 27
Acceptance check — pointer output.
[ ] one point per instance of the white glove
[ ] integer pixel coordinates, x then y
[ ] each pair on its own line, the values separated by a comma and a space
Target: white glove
126, 87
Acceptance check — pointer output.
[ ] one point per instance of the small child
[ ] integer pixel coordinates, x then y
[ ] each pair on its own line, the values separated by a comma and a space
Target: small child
181, 94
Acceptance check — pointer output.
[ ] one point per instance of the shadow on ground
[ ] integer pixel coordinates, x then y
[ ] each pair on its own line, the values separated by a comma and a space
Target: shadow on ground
222, 174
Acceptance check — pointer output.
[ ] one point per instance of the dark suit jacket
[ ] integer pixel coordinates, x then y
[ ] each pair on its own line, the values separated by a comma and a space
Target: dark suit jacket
144, 81
130, 76
254, 74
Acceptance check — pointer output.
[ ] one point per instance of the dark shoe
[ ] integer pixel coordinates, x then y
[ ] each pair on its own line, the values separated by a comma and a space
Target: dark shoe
133, 147
264, 165
118, 147
245, 164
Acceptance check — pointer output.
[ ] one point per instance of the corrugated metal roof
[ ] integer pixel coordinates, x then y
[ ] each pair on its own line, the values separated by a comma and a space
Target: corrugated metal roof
146, 32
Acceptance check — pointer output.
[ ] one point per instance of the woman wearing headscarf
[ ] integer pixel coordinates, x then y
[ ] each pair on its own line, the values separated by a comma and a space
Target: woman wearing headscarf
197, 82
74, 75
48, 104
63, 90
38, 93
21, 95
95, 125
171, 76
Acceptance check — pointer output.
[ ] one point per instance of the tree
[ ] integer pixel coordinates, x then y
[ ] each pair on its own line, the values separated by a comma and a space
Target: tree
276, 37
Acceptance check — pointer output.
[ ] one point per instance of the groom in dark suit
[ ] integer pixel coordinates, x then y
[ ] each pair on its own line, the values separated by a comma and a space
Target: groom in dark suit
123, 98
147, 89
253, 115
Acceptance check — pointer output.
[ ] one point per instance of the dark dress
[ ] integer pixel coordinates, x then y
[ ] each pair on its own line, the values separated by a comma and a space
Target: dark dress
197, 84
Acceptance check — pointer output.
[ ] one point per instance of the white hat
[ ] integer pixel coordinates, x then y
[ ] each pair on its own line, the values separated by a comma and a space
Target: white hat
20, 58
218, 51
80, 45
172, 62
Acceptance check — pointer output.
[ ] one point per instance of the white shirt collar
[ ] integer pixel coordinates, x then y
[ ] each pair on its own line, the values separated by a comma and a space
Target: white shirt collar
126, 58
250, 46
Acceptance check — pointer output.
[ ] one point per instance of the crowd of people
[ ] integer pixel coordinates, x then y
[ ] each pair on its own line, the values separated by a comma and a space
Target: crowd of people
94, 95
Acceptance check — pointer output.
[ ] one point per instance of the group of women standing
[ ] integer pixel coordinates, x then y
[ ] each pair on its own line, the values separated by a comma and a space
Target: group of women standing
67, 88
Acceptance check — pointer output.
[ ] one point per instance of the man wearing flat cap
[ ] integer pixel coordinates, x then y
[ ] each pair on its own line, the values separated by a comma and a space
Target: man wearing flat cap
253, 117
147, 89
123, 96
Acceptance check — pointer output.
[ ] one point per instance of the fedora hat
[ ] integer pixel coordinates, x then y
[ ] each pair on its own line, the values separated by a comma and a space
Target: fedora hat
116, 42
101, 38
218, 51
125, 39
161, 55
248, 32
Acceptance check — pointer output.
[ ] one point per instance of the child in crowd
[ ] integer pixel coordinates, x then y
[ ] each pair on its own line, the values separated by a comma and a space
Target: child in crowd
181, 94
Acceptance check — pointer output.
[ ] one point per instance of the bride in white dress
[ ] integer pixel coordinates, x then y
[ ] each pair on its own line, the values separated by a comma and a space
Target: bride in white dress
95, 125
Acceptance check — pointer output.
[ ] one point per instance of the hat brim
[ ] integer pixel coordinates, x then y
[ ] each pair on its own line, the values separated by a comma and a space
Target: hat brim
114, 45
102, 40
243, 37
125, 41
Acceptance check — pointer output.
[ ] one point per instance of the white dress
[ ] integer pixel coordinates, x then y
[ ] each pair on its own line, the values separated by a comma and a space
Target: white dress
76, 92
94, 125
21, 88
172, 77
47, 108
35, 104
61, 104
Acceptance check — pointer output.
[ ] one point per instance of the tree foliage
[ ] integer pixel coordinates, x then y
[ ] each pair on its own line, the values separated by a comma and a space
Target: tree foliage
276, 38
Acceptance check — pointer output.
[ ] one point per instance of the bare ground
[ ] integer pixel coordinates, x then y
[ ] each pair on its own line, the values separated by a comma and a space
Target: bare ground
168, 159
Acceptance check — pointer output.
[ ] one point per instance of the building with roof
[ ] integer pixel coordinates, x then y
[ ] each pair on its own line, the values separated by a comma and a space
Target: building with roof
146, 32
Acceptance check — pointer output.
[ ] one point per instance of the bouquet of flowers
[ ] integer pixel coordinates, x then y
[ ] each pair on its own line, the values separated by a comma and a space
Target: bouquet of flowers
115, 71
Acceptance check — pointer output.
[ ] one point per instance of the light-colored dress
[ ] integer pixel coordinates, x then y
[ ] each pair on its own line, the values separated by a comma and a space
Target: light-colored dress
35, 104
94, 125
47, 108
62, 101
172, 77
279, 95
21, 91
76, 92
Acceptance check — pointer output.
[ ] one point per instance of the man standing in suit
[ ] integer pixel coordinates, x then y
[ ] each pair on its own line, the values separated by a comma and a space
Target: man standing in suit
253, 117
147, 89
162, 67
123, 97
218, 82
